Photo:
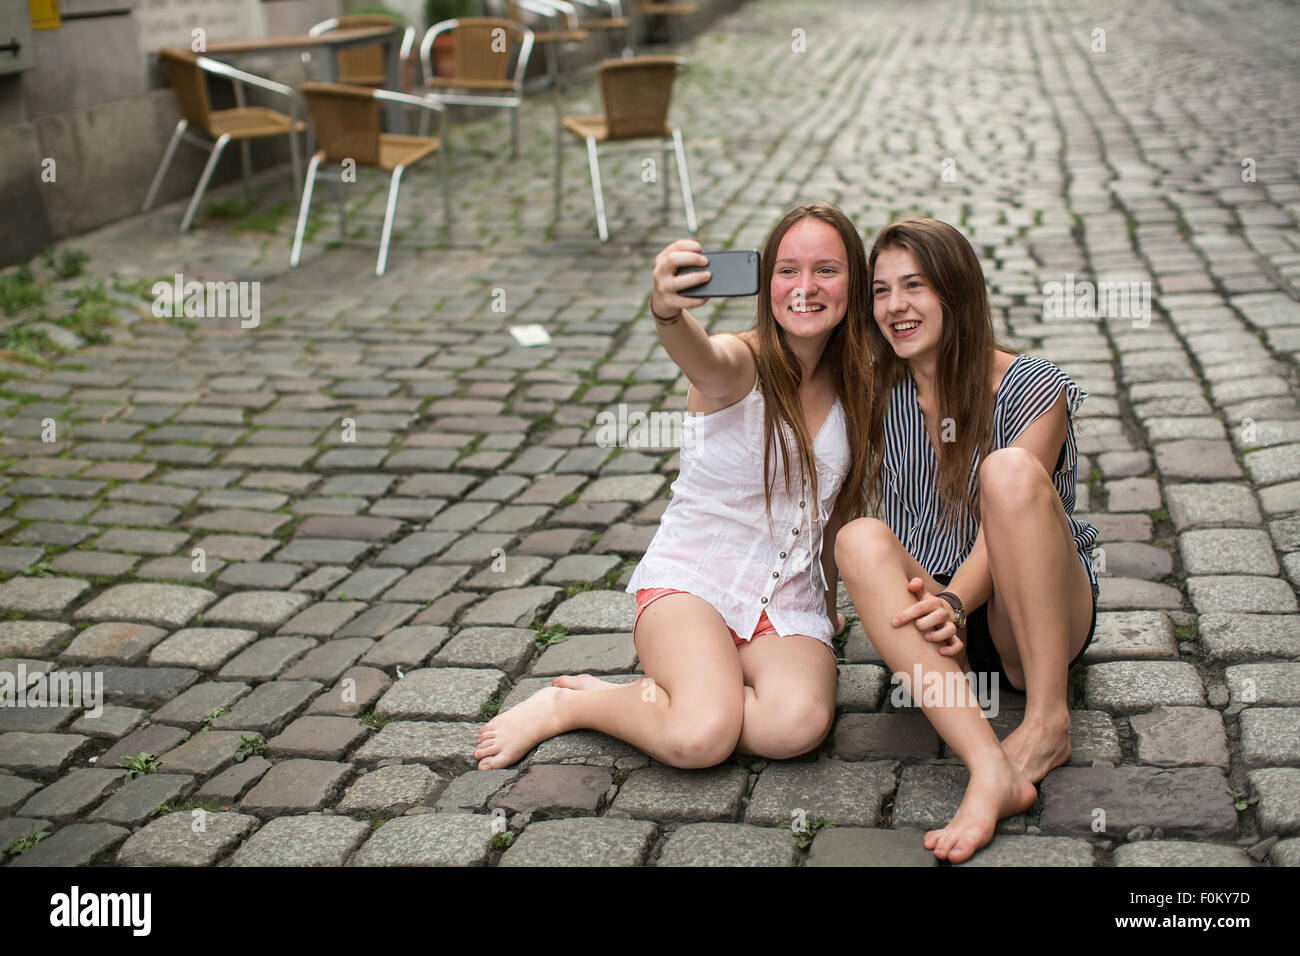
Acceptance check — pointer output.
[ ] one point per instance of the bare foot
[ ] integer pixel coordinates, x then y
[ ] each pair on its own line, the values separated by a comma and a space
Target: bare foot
506, 738
992, 794
583, 682
1036, 749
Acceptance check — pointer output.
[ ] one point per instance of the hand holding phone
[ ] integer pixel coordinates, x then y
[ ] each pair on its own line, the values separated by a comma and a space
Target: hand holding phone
731, 273
666, 297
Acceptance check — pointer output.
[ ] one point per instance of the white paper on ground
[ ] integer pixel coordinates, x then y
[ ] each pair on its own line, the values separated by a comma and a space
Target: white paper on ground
530, 334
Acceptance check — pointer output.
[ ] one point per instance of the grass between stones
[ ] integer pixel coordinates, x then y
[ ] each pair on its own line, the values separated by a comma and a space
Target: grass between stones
207, 721
44, 331
372, 818
141, 763
1094, 487
1078, 678
804, 835
1240, 800
608, 583
23, 844
249, 746
245, 218
549, 634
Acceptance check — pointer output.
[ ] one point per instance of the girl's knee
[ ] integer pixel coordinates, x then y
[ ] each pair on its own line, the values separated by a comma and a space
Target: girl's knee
791, 729
1013, 479
700, 739
864, 540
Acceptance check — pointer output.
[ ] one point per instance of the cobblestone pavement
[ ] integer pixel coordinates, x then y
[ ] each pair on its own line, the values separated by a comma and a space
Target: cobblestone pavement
399, 507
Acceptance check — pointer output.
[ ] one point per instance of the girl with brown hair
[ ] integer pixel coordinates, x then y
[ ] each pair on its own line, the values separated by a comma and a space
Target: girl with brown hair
736, 592
979, 560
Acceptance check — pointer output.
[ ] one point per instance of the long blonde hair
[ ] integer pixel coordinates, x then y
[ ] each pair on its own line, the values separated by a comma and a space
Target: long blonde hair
847, 351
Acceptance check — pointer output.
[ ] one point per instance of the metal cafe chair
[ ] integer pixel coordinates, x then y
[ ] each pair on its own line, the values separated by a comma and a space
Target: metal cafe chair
242, 124
562, 38
361, 65
614, 21
347, 122
481, 75
636, 93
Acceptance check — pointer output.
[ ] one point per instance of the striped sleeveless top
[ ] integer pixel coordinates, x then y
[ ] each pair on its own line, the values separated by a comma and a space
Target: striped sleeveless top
911, 503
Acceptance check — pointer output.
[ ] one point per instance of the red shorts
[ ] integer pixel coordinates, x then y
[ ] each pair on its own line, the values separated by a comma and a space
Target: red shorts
645, 595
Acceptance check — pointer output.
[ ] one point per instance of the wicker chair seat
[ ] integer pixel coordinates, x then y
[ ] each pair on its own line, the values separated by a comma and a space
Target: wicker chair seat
451, 82
597, 127
563, 36
396, 149
250, 122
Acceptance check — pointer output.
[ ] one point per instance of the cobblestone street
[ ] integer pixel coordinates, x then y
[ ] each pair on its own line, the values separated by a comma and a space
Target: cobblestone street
407, 522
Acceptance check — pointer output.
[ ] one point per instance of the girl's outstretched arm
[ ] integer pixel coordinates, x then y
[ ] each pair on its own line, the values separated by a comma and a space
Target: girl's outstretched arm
720, 367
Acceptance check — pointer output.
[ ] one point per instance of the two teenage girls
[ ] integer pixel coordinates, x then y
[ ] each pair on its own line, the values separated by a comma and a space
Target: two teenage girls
867, 385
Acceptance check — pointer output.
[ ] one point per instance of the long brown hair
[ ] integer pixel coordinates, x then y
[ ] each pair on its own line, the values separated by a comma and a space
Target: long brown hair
779, 372
964, 366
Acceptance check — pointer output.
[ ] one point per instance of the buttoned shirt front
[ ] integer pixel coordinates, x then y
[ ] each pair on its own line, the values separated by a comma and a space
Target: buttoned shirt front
715, 539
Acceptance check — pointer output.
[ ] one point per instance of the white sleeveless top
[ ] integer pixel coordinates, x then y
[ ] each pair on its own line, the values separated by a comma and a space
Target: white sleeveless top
714, 540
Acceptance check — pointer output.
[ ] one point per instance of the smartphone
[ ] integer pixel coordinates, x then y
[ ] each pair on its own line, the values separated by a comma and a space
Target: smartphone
734, 273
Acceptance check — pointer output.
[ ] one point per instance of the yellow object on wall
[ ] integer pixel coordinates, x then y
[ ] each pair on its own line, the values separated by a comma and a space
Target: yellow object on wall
45, 14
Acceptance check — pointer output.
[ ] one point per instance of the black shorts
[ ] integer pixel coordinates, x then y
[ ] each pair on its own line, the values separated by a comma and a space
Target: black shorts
982, 653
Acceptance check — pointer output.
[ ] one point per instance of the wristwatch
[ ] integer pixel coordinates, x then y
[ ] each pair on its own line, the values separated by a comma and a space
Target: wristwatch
955, 601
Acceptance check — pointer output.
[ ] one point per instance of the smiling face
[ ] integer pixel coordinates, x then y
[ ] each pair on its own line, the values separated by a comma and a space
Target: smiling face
810, 279
906, 308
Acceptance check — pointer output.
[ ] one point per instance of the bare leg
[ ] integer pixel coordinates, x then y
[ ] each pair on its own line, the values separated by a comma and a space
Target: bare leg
591, 682
789, 695
686, 712
1042, 601
876, 569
